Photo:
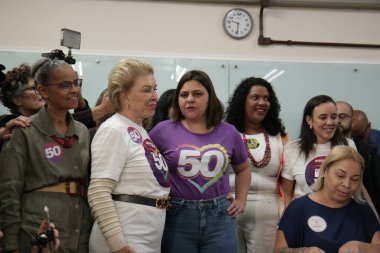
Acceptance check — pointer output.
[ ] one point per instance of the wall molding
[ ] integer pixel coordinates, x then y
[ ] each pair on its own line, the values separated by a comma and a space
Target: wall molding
329, 4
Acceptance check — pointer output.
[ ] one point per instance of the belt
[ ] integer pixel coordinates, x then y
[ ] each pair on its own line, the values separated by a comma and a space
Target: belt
161, 203
71, 188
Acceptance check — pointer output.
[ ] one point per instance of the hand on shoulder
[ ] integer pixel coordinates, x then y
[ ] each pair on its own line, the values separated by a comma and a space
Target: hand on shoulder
6, 132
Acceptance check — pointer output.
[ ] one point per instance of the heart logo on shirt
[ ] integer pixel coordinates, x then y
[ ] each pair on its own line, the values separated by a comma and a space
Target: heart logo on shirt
204, 166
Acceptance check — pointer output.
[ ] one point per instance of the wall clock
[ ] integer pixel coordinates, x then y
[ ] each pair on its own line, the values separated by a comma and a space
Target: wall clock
238, 23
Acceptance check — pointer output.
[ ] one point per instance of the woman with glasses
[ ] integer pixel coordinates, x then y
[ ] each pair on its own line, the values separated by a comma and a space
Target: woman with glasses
18, 94
46, 164
303, 156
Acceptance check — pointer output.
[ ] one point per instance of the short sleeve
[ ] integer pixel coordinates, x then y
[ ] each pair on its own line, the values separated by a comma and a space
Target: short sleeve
240, 153
288, 224
155, 134
290, 152
109, 153
372, 226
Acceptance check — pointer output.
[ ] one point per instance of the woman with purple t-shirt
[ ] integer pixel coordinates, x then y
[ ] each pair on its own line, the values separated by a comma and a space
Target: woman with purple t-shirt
199, 150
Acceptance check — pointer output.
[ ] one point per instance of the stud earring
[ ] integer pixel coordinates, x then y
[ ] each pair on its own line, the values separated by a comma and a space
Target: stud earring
311, 127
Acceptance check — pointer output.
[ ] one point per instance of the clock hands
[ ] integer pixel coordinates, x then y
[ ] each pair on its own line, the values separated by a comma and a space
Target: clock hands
238, 23
237, 26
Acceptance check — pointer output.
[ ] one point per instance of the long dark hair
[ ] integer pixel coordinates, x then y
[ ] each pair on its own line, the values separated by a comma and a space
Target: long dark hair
236, 107
164, 103
307, 136
214, 112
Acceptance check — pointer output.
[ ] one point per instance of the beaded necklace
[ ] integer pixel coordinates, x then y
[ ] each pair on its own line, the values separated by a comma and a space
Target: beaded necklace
267, 154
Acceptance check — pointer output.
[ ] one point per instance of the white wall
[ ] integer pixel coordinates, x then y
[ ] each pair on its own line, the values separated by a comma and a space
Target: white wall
141, 28
190, 30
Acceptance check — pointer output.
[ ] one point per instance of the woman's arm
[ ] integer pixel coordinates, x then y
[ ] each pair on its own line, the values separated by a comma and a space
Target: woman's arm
288, 189
361, 247
242, 183
281, 246
103, 208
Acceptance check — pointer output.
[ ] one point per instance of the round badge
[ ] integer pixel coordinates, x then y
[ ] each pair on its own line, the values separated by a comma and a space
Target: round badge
52, 151
312, 169
317, 224
135, 135
252, 143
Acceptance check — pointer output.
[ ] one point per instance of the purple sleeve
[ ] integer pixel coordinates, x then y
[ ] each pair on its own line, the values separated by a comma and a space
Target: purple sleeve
155, 135
240, 152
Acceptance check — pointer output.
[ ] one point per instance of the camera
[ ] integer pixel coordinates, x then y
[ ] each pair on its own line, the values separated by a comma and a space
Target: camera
41, 240
70, 39
70, 60
58, 54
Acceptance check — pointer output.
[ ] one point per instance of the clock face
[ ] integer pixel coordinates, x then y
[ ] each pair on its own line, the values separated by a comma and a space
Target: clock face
238, 23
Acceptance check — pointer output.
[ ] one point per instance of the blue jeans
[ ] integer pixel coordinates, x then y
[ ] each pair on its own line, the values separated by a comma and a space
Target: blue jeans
199, 226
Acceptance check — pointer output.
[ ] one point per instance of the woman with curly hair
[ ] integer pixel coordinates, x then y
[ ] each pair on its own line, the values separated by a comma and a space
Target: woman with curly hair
254, 110
18, 94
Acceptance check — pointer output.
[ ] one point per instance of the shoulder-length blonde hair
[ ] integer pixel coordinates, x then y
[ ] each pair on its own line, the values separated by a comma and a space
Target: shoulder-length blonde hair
337, 154
123, 76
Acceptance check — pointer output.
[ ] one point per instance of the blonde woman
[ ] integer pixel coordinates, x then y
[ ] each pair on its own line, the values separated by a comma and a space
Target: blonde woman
129, 178
334, 218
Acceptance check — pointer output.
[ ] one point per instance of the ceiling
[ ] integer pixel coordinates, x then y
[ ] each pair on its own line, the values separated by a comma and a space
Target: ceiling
331, 4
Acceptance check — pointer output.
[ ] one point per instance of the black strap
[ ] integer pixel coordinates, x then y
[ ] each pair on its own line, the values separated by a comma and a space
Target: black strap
134, 199
159, 203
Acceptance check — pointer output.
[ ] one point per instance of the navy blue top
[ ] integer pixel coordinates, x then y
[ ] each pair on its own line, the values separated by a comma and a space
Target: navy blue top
306, 223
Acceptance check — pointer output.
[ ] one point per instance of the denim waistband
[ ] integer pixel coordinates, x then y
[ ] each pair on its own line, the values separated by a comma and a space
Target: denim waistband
204, 203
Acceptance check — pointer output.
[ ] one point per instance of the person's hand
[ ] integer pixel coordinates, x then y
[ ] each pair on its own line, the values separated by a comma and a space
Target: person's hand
106, 104
303, 250
51, 246
102, 111
6, 132
81, 102
236, 206
313, 250
350, 247
126, 249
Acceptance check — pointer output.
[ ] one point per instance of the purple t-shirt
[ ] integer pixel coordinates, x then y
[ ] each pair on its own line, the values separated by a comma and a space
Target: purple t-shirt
199, 163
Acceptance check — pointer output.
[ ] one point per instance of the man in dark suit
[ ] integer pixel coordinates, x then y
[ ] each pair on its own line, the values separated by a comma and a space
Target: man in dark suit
371, 175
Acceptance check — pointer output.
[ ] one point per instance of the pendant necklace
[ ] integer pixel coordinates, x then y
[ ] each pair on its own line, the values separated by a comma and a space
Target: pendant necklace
267, 154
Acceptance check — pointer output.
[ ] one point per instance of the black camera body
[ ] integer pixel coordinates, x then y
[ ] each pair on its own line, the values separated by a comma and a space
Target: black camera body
41, 240
58, 54
70, 60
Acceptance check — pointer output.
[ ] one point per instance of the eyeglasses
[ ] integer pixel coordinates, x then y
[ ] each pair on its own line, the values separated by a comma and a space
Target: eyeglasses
344, 116
66, 85
30, 88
